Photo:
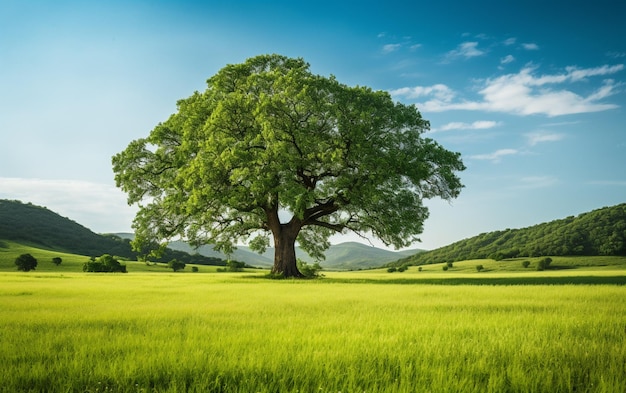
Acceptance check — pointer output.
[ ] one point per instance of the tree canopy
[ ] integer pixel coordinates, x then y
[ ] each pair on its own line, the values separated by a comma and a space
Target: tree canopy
271, 151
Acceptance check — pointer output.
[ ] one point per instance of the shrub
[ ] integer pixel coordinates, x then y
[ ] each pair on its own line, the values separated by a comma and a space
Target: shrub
235, 266
479, 268
449, 264
104, 264
402, 268
57, 260
26, 262
391, 269
544, 264
194, 269
309, 271
176, 265
445, 268
419, 269
526, 264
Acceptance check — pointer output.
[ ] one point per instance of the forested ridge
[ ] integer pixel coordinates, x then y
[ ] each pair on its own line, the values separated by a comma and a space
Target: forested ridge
599, 232
41, 227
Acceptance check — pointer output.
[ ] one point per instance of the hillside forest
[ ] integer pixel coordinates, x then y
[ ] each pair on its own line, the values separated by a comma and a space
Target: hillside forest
599, 232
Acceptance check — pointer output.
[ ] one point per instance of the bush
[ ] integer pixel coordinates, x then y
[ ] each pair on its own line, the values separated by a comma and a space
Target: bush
479, 268
176, 265
449, 264
544, 264
194, 269
57, 260
391, 269
526, 264
419, 269
445, 268
104, 264
307, 270
26, 262
402, 268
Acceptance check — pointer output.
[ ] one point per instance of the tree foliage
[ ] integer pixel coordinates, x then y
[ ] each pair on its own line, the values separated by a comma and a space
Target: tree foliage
26, 262
176, 265
104, 264
271, 152
599, 232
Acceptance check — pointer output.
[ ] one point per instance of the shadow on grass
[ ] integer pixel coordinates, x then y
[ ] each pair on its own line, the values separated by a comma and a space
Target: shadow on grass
577, 280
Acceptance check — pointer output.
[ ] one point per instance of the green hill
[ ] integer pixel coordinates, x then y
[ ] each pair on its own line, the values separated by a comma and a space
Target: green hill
596, 233
37, 226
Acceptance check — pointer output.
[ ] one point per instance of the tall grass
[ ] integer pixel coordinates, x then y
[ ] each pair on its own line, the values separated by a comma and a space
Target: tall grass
223, 333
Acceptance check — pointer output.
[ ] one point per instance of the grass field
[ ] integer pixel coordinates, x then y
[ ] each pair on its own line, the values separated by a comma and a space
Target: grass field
505, 329
147, 332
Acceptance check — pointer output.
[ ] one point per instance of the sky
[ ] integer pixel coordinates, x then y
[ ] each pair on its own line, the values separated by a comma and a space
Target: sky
531, 93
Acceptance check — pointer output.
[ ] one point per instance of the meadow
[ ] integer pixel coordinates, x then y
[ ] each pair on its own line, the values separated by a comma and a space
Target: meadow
349, 332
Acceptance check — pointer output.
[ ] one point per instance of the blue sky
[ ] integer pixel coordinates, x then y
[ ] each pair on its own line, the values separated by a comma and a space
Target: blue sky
532, 94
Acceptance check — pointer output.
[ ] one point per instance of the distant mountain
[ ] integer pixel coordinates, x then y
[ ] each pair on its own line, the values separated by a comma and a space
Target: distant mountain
35, 225
599, 232
344, 256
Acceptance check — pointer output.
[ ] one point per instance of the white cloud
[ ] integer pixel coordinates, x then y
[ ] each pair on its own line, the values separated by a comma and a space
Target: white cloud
509, 41
530, 46
542, 136
496, 156
477, 125
507, 59
533, 182
439, 91
99, 207
524, 93
466, 50
391, 48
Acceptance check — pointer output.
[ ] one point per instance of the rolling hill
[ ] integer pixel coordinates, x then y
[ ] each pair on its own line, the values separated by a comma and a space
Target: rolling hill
595, 233
38, 226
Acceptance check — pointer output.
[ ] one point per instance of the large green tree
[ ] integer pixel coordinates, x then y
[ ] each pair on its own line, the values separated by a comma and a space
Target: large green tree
271, 151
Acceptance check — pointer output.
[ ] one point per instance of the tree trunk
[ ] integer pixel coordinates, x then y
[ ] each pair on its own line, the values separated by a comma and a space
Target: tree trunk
285, 251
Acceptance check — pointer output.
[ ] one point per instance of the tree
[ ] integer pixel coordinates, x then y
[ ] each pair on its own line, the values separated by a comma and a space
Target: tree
57, 260
26, 262
271, 150
104, 264
176, 265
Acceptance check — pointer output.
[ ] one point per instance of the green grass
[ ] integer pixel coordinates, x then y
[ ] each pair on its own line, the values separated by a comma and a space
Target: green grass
350, 332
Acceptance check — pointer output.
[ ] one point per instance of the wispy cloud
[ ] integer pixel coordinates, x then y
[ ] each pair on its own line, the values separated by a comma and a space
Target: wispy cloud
533, 182
507, 59
465, 50
391, 48
616, 183
509, 41
524, 93
537, 137
477, 125
496, 156
530, 46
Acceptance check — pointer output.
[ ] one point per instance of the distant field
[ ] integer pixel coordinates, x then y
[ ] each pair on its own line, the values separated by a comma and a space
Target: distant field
350, 332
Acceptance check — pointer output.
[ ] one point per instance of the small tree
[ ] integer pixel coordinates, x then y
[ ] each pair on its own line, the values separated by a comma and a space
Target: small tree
235, 266
194, 269
391, 269
57, 260
479, 268
445, 268
526, 264
176, 265
26, 262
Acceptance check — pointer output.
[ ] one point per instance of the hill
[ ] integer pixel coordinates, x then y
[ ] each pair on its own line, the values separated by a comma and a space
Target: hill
595, 233
343, 256
29, 224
